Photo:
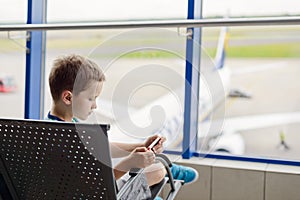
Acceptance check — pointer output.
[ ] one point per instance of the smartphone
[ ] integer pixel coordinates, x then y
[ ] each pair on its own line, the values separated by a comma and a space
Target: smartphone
154, 143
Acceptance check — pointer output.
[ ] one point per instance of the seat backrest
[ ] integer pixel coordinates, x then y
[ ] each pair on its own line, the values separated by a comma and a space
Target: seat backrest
56, 160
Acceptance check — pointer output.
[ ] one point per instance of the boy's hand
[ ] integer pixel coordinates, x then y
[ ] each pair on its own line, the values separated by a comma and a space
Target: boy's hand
158, 148
140, 157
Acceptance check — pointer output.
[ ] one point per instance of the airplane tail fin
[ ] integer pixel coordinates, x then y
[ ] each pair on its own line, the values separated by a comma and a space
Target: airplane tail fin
221, 49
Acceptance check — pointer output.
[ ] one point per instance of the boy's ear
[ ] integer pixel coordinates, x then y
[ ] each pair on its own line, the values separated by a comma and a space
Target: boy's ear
67, 97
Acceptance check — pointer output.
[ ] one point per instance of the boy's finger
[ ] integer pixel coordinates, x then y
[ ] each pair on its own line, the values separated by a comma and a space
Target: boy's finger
141, 149
163, 139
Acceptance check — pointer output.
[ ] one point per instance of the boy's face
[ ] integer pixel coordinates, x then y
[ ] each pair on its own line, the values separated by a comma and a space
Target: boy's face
85, 102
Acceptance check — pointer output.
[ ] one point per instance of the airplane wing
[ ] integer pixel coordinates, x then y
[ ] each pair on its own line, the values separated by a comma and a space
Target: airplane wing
229, 139
258, 68
252, 122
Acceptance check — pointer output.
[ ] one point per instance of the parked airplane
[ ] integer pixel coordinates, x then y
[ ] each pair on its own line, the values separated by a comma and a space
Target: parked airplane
167, 119
214, 133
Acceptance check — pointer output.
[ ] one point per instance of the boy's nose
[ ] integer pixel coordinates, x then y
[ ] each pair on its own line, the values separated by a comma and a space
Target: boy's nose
94, 106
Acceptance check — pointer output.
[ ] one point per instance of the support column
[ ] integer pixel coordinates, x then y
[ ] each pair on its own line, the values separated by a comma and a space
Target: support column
192, 79
35, 61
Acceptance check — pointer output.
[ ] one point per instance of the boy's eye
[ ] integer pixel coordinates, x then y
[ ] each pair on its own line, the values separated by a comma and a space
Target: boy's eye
92, 98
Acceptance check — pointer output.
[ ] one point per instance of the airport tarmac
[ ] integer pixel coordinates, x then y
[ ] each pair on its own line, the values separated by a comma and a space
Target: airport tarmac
273, 84
275, 90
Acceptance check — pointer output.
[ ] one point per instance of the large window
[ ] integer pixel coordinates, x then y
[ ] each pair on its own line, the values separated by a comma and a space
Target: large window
248, 96
13, 11
12, 60
95, 10
145, 74
254, 8
12, 74
144, 90
261, 103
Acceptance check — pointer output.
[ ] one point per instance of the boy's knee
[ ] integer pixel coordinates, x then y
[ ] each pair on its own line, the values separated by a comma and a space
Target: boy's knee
155, 176
160, 174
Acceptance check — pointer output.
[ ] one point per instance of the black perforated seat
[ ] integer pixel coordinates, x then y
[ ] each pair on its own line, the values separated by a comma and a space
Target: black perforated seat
56, 160
53, 160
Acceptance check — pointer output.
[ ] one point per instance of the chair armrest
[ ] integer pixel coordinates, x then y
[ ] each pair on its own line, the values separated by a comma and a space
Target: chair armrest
167, 164
174, 185
135, 171
165, 158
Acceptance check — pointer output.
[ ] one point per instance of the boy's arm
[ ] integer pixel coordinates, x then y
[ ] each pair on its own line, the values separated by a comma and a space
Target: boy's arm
119, 171
138, 158
119, 149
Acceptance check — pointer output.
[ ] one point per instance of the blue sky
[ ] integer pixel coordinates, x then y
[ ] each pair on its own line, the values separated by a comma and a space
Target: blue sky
60, 10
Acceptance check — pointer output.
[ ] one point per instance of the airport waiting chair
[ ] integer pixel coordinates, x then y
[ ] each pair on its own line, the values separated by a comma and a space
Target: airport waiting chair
57, 160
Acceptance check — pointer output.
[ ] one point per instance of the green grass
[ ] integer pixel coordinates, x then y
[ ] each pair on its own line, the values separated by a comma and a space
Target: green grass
285, 50
71, 43
9, 45
143, 54
150, 54
280, 50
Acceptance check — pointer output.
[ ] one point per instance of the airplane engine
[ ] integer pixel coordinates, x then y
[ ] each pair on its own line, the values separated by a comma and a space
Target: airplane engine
232, 143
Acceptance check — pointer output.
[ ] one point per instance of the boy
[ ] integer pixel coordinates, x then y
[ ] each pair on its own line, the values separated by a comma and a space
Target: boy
75, 83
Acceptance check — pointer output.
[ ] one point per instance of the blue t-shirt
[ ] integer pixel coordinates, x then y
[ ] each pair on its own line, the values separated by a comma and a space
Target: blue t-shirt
54, 118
